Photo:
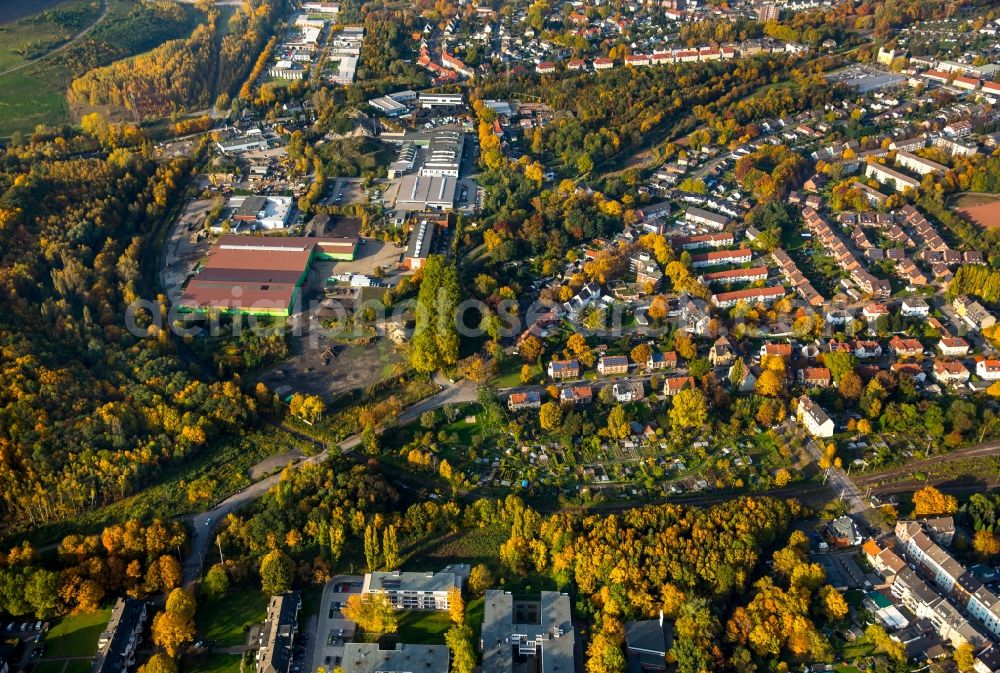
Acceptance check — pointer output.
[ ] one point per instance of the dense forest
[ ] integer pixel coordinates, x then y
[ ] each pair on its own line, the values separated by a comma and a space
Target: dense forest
88, 411
183, 74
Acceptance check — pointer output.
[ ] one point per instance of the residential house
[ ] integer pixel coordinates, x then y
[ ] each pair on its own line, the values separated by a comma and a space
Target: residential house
842, 532
988, 370
564, 369
872, 313
950, 372
905, 348
953, 347
720, 257
866, 349
527, 400
576, 395
722, 353
742, 376
818, 377
911, 369
628, 391
612, 364
810, 414
914, 307
781, 350
660, 360
674, 384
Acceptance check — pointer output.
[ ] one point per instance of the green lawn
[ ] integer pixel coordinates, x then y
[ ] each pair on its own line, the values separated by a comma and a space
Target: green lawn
77, 666
226, 619
76, 635
216, 663
474, 611
52, 666
423, 627
29, 98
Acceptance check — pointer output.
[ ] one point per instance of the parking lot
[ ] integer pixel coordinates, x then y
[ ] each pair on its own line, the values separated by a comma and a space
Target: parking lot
333, 631
30, 636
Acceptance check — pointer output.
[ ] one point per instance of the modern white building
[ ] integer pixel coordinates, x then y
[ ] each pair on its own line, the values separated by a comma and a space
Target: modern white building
431, 100
414, 590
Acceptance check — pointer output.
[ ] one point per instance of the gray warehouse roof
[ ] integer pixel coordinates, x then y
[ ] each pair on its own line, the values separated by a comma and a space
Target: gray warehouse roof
368, 658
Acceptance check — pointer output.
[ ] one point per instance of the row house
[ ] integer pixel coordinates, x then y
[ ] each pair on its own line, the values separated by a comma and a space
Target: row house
796, 278
918, 164
763, 295
735, 276
925, 230
720, 257
717, 240
925, 603
706, 218
908, 271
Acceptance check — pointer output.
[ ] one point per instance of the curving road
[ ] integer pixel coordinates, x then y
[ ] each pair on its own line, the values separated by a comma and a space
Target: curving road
64, 45
206, 523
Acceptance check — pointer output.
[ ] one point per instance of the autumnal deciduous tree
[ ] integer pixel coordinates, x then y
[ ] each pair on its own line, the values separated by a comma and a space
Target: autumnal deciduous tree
550, 416
216, 581
459, 641
832, 603
174, 627
929, 501
159, 663
986, 543
641, 354
689, 409
529, 348
276, 572
372, 612
456, 605
480, 579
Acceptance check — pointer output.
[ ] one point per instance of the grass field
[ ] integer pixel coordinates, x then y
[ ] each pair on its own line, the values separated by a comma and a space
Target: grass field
77, 666
423, 627
225, 620
35, 35
76, 635
216, 663
29, 98
50, 666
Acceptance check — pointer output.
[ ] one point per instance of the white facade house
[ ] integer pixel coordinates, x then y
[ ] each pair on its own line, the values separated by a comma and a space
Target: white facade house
814, 418
914, 307
988, 370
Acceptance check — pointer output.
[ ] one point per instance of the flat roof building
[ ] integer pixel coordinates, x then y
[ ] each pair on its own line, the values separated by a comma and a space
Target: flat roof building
420, 192
405, 658
413, 590
538, 635
444, 153
259, 275
420, 245
431, 100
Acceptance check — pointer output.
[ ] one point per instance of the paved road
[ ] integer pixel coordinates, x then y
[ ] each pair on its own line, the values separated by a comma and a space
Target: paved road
206, 523
840, 482
64, 45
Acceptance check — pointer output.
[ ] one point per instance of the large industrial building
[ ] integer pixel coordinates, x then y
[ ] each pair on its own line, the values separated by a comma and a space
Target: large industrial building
444, 153
419, 193
259, 275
